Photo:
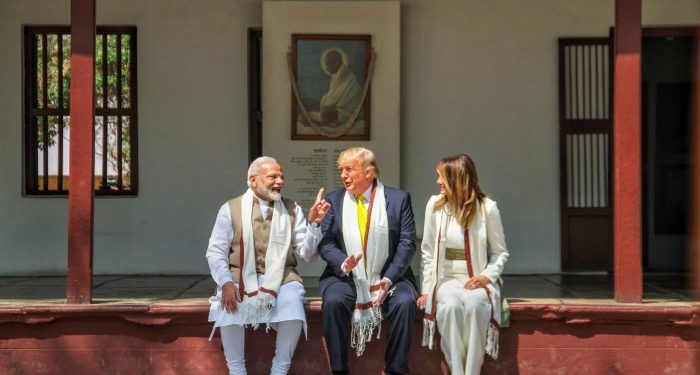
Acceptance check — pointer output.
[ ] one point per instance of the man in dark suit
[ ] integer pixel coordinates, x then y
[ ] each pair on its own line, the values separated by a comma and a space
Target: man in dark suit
386, 239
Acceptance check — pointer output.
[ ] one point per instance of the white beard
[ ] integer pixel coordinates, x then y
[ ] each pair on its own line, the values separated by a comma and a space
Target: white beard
263, 191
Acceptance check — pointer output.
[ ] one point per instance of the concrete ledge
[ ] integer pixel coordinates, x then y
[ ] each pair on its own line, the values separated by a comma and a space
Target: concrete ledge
682, 314
163, 338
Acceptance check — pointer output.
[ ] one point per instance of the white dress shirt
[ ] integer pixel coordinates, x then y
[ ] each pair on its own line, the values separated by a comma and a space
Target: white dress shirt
305, 239
366, 195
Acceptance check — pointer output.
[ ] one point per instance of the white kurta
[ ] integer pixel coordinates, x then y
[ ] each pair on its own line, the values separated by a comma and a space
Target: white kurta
291, 296
463, 315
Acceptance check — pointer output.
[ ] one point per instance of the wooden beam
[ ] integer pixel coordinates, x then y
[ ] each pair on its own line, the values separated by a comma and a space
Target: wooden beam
627, 151
82, 151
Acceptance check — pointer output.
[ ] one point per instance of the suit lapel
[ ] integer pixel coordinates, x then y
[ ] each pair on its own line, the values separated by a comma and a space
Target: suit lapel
339, 221
477, 231
389, 218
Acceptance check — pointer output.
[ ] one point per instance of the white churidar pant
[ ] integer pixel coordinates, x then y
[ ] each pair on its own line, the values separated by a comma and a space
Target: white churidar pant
462, 320
288, 319
233, 339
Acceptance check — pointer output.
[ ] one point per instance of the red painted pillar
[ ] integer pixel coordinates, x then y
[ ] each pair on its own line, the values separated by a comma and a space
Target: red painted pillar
627, 149
82, 150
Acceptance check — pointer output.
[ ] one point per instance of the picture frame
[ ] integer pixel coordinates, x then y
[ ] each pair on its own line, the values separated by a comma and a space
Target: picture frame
331, 73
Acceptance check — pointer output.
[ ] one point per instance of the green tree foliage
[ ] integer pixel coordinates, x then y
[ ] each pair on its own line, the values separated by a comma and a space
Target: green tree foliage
106, 90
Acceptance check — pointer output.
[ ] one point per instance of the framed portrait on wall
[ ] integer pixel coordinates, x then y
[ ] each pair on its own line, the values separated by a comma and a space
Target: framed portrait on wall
331, 77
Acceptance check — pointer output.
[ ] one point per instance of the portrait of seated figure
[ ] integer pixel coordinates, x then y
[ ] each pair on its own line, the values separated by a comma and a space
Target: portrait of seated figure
343, 95
330, 79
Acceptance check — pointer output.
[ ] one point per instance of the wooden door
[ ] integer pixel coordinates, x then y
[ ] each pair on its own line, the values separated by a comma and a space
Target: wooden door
585, 123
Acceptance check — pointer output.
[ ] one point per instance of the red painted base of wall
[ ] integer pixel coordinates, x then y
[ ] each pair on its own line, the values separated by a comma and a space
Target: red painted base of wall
543, 339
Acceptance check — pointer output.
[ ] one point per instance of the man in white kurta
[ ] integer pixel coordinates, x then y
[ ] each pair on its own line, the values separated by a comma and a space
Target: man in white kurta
251, 259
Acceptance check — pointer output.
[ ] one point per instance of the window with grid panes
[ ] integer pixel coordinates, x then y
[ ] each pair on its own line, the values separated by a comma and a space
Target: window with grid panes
47, 110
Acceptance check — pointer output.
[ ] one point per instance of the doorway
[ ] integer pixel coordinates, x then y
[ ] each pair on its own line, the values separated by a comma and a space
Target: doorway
667, 57
254, 93
585, 94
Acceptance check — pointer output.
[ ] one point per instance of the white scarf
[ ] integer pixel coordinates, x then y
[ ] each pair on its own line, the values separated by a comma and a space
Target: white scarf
367, 273
495, 302
259, 301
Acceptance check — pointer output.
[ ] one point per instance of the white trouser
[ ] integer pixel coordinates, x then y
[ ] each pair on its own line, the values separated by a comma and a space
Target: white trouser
462, 320
233, 339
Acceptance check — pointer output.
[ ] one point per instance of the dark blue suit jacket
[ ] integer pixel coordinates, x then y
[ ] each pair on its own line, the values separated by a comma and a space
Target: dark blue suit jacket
402, 237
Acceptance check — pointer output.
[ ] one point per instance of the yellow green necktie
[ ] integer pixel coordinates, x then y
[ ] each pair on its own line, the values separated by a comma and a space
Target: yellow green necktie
362, 218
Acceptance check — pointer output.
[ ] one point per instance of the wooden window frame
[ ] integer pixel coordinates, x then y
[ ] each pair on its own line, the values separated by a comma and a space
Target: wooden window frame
31, 110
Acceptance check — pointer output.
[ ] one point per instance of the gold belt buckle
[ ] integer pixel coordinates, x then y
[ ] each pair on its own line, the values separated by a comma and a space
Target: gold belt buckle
454, 254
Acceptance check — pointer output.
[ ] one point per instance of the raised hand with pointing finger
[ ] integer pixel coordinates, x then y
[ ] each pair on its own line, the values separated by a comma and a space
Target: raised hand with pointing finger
319, 209
249, 255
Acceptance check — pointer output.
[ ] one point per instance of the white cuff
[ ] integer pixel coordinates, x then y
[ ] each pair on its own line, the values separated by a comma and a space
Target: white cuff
315, 230
225, 279
344, 267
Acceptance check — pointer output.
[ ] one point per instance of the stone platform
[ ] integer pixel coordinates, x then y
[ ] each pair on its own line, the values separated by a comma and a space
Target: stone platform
560, 324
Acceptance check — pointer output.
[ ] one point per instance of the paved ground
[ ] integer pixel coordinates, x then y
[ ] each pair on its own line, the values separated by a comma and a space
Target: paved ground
188, 289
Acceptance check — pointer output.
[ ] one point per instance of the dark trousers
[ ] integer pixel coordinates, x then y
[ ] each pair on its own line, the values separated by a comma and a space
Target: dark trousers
399, 310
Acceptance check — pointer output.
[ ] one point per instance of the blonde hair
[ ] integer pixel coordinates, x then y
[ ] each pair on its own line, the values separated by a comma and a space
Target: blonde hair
464, 195
364, 157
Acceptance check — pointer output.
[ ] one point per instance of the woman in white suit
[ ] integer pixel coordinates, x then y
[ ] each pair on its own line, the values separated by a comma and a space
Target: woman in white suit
463, 252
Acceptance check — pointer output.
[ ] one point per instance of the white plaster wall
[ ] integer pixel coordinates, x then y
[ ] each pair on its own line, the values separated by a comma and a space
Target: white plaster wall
192, 61
476, 76
481, 77
380, 19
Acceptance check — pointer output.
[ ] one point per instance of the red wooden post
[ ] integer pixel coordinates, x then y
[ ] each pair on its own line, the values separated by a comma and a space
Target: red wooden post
627, 151
82, 113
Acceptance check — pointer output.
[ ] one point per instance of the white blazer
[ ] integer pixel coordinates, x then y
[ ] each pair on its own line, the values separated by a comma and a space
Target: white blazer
486, 240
